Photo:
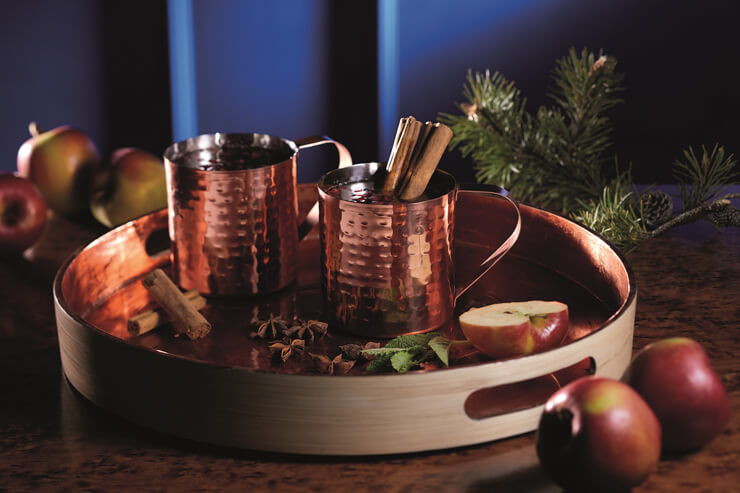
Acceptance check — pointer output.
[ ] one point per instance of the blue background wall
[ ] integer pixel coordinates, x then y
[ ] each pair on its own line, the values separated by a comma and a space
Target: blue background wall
51, 70
679, 59
262, 66
300, 67
99, 66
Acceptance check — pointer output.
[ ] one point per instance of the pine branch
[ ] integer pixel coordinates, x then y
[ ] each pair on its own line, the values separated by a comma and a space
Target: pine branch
554, 157
703, 179
699, 212
559, 156
615, 216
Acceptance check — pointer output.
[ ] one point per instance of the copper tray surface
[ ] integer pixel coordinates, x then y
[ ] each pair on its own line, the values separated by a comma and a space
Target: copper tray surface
98, 289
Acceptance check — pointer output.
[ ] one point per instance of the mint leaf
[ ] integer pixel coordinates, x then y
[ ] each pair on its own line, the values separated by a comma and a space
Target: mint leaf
384, 357
380, 364
402, 361
441, 347
405, 352
407, 360
387, 350
412, 340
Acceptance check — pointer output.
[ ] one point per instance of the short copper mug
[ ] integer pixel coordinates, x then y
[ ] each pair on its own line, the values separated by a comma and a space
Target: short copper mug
233, 211
387, 268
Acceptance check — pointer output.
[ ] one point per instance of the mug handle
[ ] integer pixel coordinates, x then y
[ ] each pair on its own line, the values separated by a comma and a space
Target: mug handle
345, 159
486, 265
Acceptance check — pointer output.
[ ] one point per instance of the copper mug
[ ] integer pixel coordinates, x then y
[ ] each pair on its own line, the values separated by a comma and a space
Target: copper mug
233, 211
387, 268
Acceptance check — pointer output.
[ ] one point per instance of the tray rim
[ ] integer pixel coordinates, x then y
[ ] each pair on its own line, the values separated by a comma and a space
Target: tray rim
525, 420
59, 299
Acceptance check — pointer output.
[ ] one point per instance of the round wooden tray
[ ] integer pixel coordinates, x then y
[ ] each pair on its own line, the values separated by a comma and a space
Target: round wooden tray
226, 389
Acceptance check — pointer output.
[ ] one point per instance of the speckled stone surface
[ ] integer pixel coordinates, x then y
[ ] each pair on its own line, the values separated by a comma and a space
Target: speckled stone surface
52, 439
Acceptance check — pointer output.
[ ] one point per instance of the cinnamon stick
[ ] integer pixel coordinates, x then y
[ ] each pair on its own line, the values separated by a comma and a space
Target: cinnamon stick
186, 319
401, 154
413, 161
149, 320
430, 153
401, 125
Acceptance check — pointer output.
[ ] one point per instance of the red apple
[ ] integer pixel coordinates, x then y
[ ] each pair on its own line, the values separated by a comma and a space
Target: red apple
129, 184
512, 329
676, 379
60, 163
598, 434
22, 214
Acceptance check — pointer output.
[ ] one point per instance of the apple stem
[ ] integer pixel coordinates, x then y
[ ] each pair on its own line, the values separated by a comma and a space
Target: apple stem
34, 129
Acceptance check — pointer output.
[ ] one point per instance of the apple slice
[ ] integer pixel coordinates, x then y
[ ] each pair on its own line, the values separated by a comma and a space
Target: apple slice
503, 330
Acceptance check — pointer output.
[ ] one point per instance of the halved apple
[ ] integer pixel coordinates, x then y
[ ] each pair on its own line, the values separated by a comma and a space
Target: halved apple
503, 330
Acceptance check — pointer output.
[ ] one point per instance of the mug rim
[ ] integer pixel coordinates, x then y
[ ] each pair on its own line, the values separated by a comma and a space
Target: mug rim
324, 187
175, 152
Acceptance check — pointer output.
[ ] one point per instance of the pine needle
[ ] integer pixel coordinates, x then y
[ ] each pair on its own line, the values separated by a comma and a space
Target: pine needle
616, 216
703, 179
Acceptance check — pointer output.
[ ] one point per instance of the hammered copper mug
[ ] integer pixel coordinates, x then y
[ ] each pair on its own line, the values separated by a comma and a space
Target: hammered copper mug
233, 211
387, 268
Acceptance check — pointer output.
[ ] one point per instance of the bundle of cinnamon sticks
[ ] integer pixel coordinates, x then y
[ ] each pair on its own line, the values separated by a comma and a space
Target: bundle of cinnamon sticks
416, 152
181, 309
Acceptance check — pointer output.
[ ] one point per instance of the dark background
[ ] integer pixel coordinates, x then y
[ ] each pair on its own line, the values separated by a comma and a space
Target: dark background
104, 67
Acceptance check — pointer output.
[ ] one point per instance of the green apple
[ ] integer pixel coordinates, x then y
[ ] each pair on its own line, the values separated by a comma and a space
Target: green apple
129, 184
60, 163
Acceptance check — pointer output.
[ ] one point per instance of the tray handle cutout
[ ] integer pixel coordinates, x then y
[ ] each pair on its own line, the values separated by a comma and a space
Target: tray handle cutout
157, 243
503, 399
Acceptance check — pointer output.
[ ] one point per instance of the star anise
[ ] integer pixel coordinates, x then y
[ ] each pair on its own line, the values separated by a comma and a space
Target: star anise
287, 347
337, 365
308, 330
354, 351
269, 329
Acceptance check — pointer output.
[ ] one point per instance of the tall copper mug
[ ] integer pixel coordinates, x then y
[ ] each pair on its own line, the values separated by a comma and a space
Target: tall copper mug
233, 211
388, 269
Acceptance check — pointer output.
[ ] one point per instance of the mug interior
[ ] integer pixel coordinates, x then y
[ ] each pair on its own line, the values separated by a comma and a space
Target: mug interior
370, 175
230, 151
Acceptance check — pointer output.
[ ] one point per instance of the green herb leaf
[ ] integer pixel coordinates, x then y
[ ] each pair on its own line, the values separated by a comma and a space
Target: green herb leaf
389, 351
441, 347
384, 357
380, 364
402, 361
405, 352
411, 341
406, 360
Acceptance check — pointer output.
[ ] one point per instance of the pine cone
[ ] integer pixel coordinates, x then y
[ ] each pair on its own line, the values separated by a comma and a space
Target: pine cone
728, 216
657, 208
